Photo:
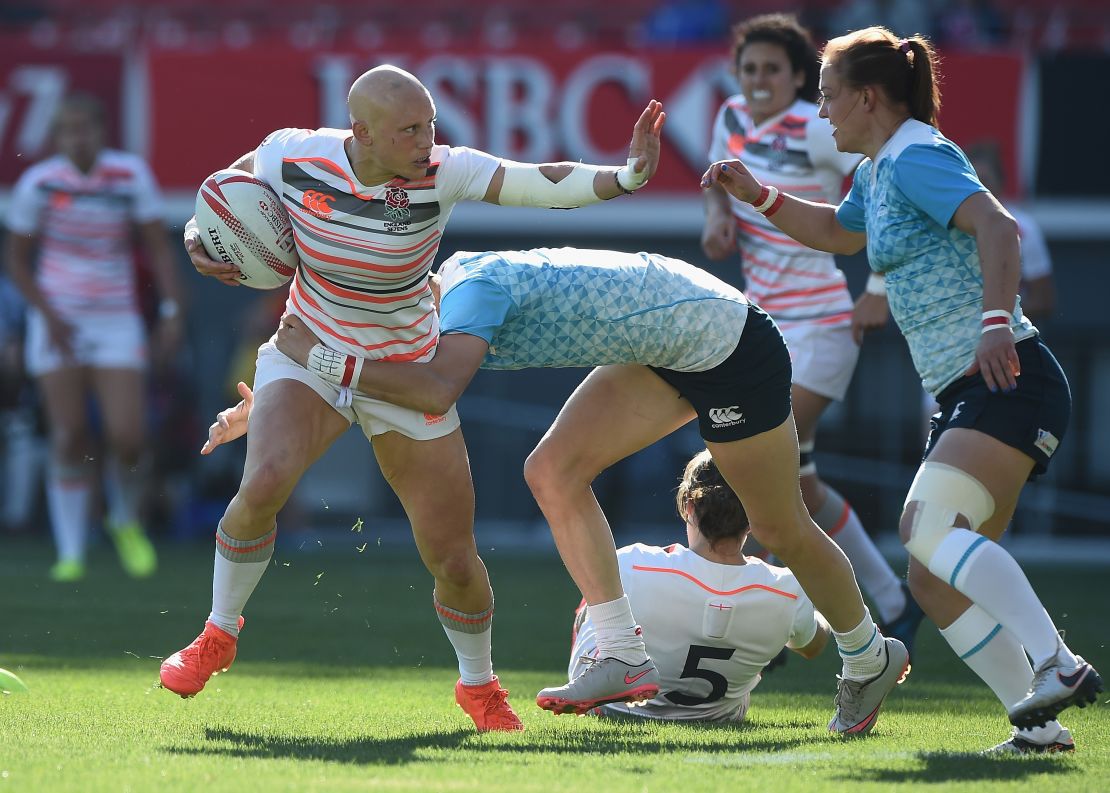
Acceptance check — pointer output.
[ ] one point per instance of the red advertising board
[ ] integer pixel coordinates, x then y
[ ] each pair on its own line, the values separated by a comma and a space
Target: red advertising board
201, 110
539, 105
31, 86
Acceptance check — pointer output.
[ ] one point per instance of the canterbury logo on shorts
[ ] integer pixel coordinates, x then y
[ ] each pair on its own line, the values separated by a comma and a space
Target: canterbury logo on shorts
726, 417
317, 203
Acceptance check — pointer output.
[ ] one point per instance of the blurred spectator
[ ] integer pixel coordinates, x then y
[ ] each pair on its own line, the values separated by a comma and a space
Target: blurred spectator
22, 448
970, 25
902, 17
677, 22
70, 225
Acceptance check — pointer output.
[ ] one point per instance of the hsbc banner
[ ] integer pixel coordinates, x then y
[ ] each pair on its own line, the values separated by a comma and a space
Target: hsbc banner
197, 112
32, 84
536, 106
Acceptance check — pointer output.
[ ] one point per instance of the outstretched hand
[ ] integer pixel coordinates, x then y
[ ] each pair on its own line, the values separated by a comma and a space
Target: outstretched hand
230, 423
645, 140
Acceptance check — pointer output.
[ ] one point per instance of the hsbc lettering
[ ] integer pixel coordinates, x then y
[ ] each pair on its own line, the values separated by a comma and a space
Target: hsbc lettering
514, 105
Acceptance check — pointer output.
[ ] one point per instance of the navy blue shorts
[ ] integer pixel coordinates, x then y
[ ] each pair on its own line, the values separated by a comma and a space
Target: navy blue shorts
748, 392
1032, 419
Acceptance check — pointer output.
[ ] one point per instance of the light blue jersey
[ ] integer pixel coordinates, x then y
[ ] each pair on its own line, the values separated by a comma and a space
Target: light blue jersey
570, 307
904, 200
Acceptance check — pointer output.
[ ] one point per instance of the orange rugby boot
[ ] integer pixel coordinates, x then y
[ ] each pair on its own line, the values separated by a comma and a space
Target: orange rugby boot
186, 671
488, 705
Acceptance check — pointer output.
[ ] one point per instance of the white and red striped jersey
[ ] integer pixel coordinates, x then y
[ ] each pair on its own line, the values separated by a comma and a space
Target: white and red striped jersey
795, 152
710, 628
362, 285
84, 222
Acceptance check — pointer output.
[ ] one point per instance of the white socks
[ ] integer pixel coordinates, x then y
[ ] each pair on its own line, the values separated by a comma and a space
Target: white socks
618, 635
238, 568
862, 649
838, 520
995, 654
472, 637
67, 494
990, 578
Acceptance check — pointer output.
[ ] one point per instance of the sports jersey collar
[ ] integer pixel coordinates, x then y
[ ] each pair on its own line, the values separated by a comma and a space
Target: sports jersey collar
770, 121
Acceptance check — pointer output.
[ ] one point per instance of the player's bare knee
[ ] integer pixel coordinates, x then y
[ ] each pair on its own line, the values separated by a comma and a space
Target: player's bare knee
265, 487
457, 569
545, 474
68, 446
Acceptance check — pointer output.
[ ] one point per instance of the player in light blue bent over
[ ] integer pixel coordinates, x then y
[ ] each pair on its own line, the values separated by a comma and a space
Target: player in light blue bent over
671, 342
950, 256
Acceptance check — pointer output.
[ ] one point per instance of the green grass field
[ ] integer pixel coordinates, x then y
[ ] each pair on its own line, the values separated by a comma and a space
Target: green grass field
344, 682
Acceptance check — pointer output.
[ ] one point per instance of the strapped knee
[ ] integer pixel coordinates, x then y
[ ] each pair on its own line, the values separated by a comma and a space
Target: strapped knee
943, 493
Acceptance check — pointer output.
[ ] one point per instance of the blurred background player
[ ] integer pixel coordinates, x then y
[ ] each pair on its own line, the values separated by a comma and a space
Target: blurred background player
23, 450
772, 127
369, 205
950, 258
713, 618
71, 220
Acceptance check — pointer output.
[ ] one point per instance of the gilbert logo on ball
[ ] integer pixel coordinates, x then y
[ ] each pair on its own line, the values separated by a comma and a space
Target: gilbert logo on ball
242, 222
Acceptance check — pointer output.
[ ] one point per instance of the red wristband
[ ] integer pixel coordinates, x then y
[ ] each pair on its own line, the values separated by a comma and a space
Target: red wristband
775, 207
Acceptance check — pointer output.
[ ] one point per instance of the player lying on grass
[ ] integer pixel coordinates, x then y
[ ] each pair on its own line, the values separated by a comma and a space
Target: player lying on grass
670, 343
712, 617
369, 206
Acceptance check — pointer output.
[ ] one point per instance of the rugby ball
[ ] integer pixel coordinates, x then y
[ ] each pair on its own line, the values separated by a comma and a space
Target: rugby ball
242, 222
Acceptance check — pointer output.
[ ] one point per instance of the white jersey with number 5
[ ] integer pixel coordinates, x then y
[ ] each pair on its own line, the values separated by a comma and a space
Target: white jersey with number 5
709, 627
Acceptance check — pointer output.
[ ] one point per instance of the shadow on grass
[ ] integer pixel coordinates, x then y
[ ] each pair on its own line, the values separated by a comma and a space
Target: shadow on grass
402, 750
961, 767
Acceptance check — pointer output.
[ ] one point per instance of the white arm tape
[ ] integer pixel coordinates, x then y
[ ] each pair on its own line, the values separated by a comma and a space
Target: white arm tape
336, 367
525, 186
876, 284
629, 179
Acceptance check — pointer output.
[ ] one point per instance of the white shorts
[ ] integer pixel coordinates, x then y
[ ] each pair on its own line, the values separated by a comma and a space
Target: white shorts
374, 416
823, 358
101, 341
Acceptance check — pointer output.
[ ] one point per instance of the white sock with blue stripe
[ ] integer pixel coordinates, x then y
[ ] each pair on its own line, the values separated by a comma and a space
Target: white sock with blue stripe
990, 578
862, 649
995, 654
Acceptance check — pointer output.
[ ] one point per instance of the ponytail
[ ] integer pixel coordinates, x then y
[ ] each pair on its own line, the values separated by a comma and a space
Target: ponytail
906, 70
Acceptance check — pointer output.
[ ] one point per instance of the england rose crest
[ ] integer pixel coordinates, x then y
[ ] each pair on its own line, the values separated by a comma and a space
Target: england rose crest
397, 204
